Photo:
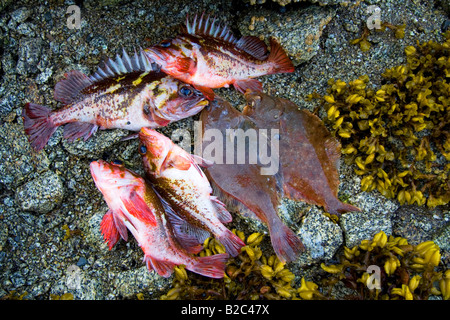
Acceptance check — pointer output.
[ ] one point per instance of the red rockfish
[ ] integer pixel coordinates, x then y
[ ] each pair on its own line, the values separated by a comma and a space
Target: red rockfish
207, 55
133, 205
178, 178
127, 93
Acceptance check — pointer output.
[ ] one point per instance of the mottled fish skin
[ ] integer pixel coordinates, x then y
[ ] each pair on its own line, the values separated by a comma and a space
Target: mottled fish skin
178, 178
309, 154
259, 194
129, 102
125, 94
208, 55
135, 206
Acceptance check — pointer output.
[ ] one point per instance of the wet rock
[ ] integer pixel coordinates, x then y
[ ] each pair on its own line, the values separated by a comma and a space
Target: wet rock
92, 232
26, 29
321, 237
42, 194
358, 226
298, 31
17, 159
419, 224
30, 50
131, 282
96, 144
21, 14
442, 239
3, 235
81, 285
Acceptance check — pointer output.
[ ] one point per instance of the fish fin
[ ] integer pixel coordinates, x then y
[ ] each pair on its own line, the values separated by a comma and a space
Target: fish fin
68, 90
163, 268
335, 206
286, 244
210, 266
231, 242
207, 92
75, 130
38, 125
208, 27
137, 207
185, 65
124, 64
189, 237
109, 230
222, 213
279, 58
253, 46
177, 161
249, 84
121, 227
130, 137
202, 161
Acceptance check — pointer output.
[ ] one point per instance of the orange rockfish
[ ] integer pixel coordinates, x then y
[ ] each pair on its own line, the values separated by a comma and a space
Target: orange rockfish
133, 205
128, 93
180, 181
207, 55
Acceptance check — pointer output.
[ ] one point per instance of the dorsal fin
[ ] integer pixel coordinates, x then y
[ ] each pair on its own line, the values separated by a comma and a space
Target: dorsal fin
123, 65
253, 46
209, 27
68, 90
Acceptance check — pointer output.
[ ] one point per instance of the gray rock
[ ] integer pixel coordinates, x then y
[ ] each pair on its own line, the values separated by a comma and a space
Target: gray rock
419, 224
17, 159
30, 50
42, 194
359, 226
320, 236
26, 29
298, 31
93, 235
129, 283
83, 286
21, 14
3, 234
96, 144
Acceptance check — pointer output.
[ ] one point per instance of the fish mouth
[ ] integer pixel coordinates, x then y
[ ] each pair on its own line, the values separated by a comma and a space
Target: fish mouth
203, 103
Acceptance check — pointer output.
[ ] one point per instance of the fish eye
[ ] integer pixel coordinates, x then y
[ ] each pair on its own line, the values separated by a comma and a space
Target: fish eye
165, 44
117, 162
185, 91
142, 149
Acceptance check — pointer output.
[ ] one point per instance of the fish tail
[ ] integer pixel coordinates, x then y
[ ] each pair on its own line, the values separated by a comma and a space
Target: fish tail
337, 207
231, 242
210, 266
286, 244
279, 58
38, 125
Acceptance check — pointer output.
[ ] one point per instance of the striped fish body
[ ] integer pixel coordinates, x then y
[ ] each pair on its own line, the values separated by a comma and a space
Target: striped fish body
134, 206
126, 94
208, 56
178, 178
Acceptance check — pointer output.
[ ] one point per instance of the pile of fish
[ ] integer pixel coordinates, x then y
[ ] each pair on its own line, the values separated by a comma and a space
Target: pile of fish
171, 211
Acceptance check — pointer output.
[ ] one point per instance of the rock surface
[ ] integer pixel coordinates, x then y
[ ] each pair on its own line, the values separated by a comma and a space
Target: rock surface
39, 251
